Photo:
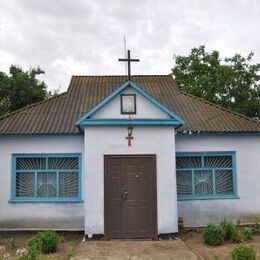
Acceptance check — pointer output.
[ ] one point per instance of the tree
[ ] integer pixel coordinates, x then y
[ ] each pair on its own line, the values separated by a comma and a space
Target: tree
21, 88
232, 83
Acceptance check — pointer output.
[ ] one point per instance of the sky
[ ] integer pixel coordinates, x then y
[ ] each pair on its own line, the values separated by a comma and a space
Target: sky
86, 37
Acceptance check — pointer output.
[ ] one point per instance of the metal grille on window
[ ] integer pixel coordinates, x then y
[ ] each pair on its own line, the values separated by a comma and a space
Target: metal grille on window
218, 161
47, 177
25, 184
63, 163
203, 183
47, 185
200, 175
188, 162
184, 182
68, 183
31, 163
224, 182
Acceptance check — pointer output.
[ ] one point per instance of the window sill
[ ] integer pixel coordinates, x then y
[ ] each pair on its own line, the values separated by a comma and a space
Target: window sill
46, 200
209, 198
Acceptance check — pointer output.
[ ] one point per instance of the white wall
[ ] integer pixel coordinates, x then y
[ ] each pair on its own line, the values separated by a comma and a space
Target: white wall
144, 108
247, 207
66, 216
100, 141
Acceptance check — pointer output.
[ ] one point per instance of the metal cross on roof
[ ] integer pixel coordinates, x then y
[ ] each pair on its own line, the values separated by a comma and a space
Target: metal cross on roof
129, 60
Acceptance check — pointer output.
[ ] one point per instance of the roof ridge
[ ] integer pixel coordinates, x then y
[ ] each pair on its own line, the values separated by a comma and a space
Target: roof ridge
137, 75
220, 107
32, 105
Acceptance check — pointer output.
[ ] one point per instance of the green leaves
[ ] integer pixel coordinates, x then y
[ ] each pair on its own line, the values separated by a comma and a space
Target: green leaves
20, 88
232, 83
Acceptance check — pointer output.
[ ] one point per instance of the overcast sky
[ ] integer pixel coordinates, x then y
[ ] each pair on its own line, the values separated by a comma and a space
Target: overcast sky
85, 37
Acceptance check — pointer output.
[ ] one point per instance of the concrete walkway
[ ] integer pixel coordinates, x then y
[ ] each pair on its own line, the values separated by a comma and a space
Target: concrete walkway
134, 250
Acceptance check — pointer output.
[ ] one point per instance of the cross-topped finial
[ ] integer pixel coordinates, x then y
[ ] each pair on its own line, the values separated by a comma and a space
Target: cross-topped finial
129, 60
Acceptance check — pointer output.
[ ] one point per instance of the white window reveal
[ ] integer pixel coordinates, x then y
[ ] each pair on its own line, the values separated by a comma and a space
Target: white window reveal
206, 175
46, 178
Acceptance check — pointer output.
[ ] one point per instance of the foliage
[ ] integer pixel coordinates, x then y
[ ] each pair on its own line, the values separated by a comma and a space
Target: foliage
44, 242
21, 252
237, 235
232, 83
248, 232
240, 235
71, 253
243, 252
20, 88
2, 252
32, 253
256, 227
11, 244
228, 228
213, 235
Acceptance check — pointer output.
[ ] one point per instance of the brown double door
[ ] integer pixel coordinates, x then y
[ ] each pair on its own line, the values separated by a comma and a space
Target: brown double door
130, 197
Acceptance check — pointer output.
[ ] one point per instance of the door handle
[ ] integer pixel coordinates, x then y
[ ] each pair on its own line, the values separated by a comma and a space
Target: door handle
124, 195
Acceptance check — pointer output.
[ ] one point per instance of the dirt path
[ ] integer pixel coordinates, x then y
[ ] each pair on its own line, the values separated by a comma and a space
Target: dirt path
134, 250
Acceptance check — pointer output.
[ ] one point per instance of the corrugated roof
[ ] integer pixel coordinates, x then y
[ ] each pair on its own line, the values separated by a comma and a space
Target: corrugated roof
58, 114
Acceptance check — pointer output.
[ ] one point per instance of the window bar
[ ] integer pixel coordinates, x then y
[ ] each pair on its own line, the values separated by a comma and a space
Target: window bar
234, 176
35, 183
57, 185
214, 181
14, 185
193, 181
46, 163
202, 162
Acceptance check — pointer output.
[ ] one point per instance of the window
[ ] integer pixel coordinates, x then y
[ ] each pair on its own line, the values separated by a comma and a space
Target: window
54, 177
128, 104
205, 175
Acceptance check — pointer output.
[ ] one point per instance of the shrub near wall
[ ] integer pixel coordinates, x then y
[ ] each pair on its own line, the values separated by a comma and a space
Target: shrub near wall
213, 235
228, 228
243, 252
44, 242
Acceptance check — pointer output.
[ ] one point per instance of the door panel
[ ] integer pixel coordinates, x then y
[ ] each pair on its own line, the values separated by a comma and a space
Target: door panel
130, 197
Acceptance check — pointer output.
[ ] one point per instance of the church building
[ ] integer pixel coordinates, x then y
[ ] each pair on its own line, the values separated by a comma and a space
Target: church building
126, 157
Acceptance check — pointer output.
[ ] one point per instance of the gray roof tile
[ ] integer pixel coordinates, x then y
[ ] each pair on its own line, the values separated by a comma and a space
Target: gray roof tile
57, 115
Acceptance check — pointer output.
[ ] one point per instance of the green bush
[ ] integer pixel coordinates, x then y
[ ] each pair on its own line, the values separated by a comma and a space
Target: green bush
49, 241
248, 232
45, 242
34, 244
228, 228
243, 252
32, 254
240, 235
257, 227
237, 236
213, 235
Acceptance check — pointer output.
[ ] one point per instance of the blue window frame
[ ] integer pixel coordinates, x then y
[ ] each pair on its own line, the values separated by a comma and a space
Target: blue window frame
206, 175
46, 178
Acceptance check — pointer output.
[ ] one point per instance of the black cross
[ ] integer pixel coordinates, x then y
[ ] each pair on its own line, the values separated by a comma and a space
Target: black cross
129, 62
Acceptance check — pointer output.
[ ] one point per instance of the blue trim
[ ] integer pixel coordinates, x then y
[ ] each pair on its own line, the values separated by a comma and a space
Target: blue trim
219, 197
15, 199
58, 200
82, 121
206, 153
213, 169
130, 122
